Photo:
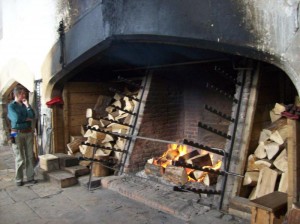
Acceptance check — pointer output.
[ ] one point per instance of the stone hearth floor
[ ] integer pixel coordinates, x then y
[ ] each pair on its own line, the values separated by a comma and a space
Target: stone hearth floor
120, 199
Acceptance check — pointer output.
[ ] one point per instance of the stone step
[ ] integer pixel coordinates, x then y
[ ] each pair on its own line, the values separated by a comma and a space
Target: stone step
66, 160
78, 170
84, 181
62, 178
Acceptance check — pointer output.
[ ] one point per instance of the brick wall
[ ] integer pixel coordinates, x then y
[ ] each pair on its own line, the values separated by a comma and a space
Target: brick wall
174, 106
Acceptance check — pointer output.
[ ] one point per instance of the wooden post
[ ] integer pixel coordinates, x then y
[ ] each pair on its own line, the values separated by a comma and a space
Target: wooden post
66, 114
293, 145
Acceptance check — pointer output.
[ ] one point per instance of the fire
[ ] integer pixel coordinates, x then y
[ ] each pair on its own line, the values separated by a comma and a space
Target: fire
175, 151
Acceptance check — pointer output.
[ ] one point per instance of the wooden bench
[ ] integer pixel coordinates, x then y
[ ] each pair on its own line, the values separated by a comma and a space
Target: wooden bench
269, 209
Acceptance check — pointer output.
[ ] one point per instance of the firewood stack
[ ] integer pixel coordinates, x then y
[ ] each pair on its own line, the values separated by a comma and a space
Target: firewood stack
267, 168
110, 115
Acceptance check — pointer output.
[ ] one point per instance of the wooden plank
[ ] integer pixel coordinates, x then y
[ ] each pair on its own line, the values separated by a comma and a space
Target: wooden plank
266, 182
293, 144
79, 108
248, 128
66, 116
83, 97
77, 120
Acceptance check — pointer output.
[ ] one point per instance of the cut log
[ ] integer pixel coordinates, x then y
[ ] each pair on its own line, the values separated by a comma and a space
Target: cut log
108, 138
266, 182
283, 184
73, 146
121, 116
201, 160
260, 151
117, 103
151, 169
274, 117
189, 155
210, 179
102, 152
176, 175
87, 151
276, 137
90, 113
197, 174
129, 106
118, 128
117, 96
250, 178
127, 119
283, 132
100, 171
120, 143
251, 166
72, 137
101, 105
264, 135
253, 193
272, 149
260, 164
83, 129
278, 108
95, 134
281, 162
280, 123
92, 122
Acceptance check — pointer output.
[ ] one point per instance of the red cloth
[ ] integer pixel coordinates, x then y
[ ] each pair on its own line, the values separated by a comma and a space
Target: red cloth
54, 101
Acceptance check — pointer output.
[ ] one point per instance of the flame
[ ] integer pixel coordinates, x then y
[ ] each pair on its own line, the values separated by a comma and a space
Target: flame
173, 153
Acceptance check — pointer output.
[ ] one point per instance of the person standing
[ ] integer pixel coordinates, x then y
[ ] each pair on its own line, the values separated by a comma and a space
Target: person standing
21, 116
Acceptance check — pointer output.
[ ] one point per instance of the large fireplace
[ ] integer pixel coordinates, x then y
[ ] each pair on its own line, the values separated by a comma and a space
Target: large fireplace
210, 110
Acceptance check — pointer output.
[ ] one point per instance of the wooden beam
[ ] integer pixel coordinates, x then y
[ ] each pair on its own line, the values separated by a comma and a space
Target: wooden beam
293, 144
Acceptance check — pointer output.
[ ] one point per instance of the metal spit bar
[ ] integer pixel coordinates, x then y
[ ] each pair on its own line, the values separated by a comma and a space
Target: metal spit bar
213, 130
231, 138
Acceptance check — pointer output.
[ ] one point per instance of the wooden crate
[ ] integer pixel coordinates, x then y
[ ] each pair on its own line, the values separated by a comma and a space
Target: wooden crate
269, 209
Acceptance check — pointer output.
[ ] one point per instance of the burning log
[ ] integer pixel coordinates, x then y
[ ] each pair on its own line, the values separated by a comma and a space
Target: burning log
151, 169
250, 178
201, 160
172, 154
197, 174
210, 179
176, 175
189, 155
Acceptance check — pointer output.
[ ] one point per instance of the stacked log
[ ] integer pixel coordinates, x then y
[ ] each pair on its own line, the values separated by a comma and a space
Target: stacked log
110, 114
267, 166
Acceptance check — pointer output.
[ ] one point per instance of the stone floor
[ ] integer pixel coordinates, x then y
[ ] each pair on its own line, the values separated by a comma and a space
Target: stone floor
120, 199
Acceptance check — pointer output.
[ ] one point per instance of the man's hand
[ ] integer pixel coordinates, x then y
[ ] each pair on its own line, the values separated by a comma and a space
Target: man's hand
25, 102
